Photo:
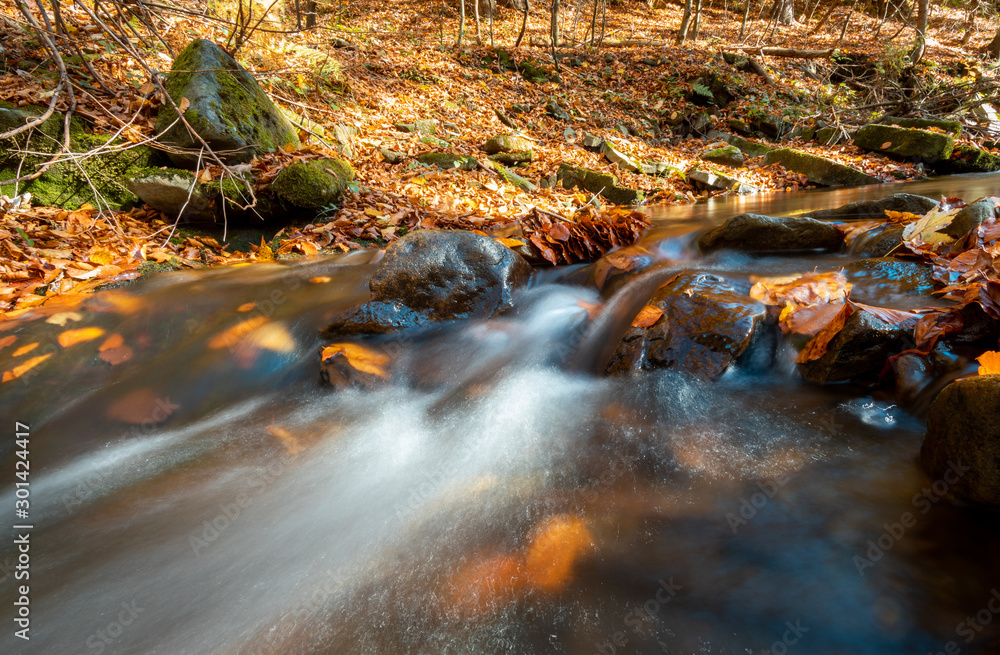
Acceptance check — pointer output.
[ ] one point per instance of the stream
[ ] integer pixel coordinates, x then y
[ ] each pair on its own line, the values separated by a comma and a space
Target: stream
205, 495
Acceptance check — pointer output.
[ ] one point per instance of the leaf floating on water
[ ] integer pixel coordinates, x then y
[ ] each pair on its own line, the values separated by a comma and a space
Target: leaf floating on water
25, 349
61, 318
272, 336
141, 406
989, 363
359, 357
247, 306
290, 442
73, 337
18, 371
8, 340
233, 335
320, 279
555, 547
114, 351
928, 228
647, 316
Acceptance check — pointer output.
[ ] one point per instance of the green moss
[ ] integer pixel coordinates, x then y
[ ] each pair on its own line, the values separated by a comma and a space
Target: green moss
969, 159
507, 143
515, 179
904, 142
727, 155
513, 158
445, 161
600, 183
952, 127
313, 184
819, 170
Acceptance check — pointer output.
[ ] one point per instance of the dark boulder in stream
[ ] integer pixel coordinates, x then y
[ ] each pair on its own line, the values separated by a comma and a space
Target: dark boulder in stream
436, 275
874, 209
901, 275
757, 233
970, 217
858, 352
705, 326
962, 446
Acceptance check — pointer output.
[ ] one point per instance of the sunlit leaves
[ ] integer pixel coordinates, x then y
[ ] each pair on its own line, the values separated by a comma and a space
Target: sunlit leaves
647, 316
989, 363
357, 357
72, 337
23, 368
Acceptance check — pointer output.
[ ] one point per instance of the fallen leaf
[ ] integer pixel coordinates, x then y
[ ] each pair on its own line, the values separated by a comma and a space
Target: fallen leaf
647, 316
141, 406
928, 228
247, 306
886, 145
233, 335
989, 363
18, 371
101, 256
817, 347
359, 357
555, 546
183, 105
272, 336
61, 318
8, 340
114, 341
320, 279
73, 337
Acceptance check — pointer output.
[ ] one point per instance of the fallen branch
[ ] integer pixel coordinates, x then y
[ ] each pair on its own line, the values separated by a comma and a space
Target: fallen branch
788, 53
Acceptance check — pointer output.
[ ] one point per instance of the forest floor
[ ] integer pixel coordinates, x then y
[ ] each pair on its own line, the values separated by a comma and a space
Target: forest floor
371, 65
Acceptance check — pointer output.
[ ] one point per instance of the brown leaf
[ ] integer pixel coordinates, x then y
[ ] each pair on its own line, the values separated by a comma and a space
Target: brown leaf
819, 344
647, 316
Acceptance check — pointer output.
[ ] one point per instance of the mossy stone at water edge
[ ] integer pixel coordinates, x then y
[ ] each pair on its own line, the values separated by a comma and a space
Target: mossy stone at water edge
507, 143
726, 155
869, 209
952, 127
747, 147
599, 183
904, 142
819, 170
962, 446
446, 161
69, 183
969, 159
228, 108
313, 184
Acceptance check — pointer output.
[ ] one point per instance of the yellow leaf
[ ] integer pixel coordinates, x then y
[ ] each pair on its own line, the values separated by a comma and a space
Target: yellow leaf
647, 316
928, 229
101, 256
61, 318
272, 336
371, 211
320, 279
18, 371
361, 358
231, 336
73, 337
184, 104
511, 243
989, 363
23, 350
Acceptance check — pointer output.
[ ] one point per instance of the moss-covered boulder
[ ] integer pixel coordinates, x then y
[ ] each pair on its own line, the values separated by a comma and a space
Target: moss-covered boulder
553, 109
905, 142
600, 183
228, 109
513, 158
970, 159
726, 155
174, 192
313, 184
819, 170
952, 127
98, 178
446, 161
829, 136
427, 127
748, 148
515, 180
507, 143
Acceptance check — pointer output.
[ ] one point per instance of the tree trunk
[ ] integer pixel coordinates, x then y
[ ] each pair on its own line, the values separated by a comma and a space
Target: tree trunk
696, 25
310, 15
479, 35
461, 22
554, 27
994, 46
685, 23
524, 22
783, 11
746, 15
921, 43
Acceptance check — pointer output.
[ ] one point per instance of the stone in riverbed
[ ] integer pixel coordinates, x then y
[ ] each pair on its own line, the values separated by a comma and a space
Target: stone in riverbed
757, 233
313, 184
872, 209
436, 275
962, 445
878, 242
600, 183
858, 352
903, 142
726, 155
709, 181
819, 170
228, 109
446, 161
507, 143
901, 275
970, 217
705, 327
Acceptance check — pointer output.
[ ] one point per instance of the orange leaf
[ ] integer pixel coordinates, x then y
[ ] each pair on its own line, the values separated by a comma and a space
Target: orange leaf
361, 358
886, 145
6, 341
320, 279
247, 306
555, 546
18, 371
116, 356
231, 336
114, 341
511, 243
25, 349
647, 316
819, 344
141, 406
101, 256
73, 337
989, 363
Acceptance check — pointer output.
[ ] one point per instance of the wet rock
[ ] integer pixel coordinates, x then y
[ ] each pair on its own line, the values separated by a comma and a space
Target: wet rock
878, 242
726, 155
446, 161
819, 170
904, 142
969, 159
769, 124
171, 190
873, 209
757, 233
592, 143
553, 109
901, 275
228, 109
426, 126
749, 148
705, 327
392, 156
830, 136
618, 158
709, 181
436, 275
507, 143
970, 217
952, 127
313, 184
858, 352
962, 445
600, 183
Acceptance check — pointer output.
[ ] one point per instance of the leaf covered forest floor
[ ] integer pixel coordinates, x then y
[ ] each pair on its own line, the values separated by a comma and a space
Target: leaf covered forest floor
399, 67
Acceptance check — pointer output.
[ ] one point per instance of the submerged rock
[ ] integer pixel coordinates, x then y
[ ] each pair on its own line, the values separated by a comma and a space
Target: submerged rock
705, 327
436, 275
313, 184
901, 275
878, 242
819, 170
859, 350
962, 445
757, 233
904, 142
872, 209
228, 109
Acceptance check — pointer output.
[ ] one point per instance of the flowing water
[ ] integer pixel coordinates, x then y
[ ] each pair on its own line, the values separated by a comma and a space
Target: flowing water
206, 494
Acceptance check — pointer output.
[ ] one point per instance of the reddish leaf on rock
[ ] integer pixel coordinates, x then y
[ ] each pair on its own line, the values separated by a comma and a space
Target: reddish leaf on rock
819, 344
905, 320
647, 316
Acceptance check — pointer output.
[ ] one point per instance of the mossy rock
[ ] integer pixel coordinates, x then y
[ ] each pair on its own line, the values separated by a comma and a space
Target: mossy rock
507, 143
599, 183
829, 136
819, 170
905, 142
749, 148
969, 159
513, 158
515, 180
427, 127
445, 161
228, 109
69, 183
313, 184
952, 127
172, 191
726, 155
